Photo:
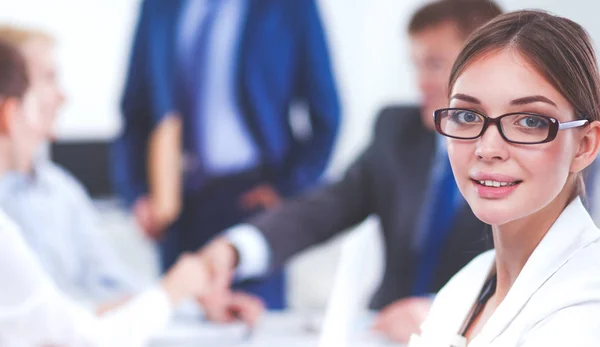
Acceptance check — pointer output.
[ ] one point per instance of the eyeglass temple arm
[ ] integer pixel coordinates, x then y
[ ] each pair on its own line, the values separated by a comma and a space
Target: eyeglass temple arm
573, 124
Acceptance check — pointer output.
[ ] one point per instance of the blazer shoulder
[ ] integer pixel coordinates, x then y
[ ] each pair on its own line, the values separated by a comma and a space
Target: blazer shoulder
58, 176
300, 13
396, 117
578, 276
297, 5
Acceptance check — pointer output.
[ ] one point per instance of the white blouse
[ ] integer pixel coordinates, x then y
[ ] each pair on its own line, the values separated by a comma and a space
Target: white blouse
34, 313
555, 300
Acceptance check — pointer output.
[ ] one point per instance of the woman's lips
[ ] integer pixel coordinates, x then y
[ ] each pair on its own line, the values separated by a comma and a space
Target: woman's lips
492, 189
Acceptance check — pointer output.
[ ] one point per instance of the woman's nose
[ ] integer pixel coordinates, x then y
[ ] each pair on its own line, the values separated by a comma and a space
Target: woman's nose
491, 145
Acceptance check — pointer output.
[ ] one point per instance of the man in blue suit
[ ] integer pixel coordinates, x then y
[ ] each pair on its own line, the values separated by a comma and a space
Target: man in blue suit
206, 112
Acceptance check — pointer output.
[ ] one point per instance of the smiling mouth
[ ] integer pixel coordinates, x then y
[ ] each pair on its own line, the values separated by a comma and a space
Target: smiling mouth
495, 184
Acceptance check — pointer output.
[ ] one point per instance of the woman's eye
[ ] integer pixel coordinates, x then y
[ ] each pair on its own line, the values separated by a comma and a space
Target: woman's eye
533, 122
466, 117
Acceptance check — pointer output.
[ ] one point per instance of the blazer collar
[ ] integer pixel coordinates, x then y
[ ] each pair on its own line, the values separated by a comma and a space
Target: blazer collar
573, 230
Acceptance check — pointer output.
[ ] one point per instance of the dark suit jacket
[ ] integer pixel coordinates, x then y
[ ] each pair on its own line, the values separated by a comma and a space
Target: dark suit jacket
283, 58
389, 180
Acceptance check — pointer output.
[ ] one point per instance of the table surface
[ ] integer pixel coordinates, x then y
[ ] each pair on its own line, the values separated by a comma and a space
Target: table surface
289, 329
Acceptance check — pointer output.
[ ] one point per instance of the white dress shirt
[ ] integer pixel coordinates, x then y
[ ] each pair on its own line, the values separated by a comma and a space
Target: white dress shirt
555, 300
34, 313
60, 224
253, 250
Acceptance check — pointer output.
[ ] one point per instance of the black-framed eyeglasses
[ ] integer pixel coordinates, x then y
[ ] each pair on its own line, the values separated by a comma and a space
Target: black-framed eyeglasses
519, 127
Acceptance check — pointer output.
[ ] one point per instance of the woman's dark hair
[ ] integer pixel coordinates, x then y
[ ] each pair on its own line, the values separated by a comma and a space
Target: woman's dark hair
558, 48
13, 72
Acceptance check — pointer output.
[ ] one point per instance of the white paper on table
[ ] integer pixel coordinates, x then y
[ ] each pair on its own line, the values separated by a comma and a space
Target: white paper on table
196, 333
286, 329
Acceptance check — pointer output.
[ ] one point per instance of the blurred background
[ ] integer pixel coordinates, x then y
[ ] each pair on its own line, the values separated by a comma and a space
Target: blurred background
367, 43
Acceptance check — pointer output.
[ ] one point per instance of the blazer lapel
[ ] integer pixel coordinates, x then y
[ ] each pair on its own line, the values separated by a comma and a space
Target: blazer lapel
417, 149
245, 66
554, 251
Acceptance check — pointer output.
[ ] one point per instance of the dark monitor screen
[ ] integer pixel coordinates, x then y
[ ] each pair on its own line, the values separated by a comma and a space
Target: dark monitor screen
88, 161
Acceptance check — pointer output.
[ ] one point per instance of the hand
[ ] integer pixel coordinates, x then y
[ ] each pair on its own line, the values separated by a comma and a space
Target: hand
246, 307
188, 278
146, 218
152, 222
262, 196
111, 305
143, 214
399, 320
221, 259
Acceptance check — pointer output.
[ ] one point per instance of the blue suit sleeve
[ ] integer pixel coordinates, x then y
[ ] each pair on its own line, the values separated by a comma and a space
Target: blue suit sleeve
129, 150
317, 87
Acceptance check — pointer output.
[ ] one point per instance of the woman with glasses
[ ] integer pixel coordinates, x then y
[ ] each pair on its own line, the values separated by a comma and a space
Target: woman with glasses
521, 126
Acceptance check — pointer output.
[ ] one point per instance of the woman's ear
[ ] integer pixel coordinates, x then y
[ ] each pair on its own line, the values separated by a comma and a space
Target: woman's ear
8, 111
588, 147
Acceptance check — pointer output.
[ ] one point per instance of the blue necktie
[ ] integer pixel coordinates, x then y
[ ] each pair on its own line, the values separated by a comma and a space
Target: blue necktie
442, 210
192, 76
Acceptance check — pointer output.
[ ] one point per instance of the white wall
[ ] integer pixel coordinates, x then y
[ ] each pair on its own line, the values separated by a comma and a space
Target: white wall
93, 43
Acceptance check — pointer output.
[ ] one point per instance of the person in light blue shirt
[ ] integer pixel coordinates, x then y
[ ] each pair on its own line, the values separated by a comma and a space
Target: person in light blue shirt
58, 221
57, 217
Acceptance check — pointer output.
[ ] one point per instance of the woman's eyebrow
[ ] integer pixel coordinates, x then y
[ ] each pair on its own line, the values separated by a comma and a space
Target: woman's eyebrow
532, 99
465, 97
520, 101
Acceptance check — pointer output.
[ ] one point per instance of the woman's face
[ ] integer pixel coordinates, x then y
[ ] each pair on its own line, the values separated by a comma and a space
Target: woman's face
531, 176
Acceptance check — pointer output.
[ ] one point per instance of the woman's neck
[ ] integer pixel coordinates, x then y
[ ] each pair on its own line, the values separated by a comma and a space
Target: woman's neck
514, 242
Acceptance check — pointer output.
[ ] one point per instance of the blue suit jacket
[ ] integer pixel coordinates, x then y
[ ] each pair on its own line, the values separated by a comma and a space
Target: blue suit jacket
283, 58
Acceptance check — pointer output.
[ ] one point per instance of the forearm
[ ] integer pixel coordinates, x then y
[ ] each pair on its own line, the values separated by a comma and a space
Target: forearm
135, 322
164, 168
311, 219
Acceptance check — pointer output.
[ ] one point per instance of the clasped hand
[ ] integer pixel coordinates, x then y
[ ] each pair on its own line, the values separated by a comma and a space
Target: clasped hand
207, 276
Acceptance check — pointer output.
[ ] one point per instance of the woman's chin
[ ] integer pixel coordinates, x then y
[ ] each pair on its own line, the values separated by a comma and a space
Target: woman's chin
495, 215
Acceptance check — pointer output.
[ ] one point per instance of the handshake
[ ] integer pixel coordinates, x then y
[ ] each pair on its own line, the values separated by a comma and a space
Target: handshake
206, 276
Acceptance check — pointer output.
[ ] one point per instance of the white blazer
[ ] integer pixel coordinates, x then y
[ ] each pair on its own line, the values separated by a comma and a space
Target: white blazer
555, 300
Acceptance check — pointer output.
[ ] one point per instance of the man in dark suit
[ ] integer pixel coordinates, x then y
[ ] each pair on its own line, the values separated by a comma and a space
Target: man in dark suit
209, 90
403, 177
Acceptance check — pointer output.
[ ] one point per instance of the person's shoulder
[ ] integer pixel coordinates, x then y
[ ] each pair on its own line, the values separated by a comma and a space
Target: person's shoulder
5, 222
574, 284
565, 308
397, 117
396, 114
298, 14
579, 274
60, 178
291, 5
9, 231
49, 170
